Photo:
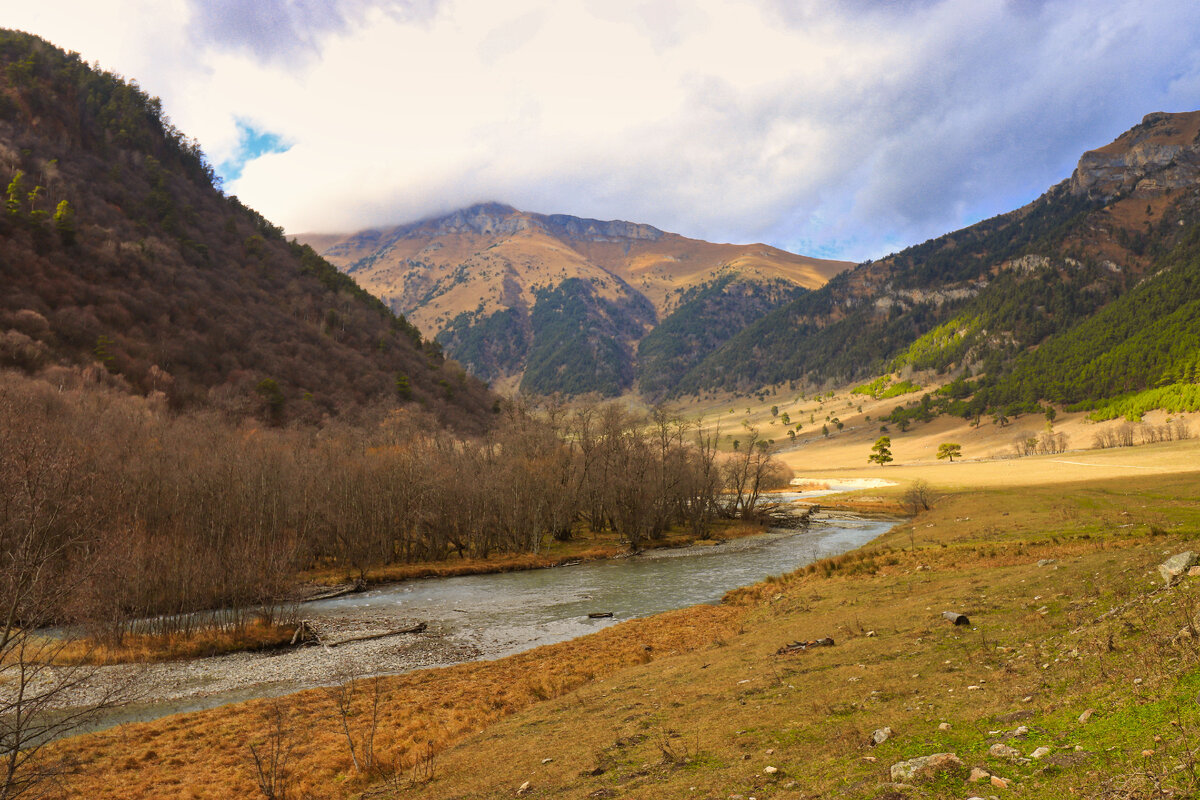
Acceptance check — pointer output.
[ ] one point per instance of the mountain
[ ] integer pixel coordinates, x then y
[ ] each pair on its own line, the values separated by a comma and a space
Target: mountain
560, 303
122, 261
1098, 270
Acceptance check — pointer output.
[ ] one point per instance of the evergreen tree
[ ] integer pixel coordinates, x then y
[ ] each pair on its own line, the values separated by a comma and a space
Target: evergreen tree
64, 222
949, 450
881, 451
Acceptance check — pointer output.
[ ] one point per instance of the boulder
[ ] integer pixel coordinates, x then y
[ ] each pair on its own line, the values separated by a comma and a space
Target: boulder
880, 736
1001, 750
1177, 566
978, 775
926, 767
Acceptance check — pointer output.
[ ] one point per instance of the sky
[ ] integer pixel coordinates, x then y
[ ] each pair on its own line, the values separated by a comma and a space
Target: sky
835, 128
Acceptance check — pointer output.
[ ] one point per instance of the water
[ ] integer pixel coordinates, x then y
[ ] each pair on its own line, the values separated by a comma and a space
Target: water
486, 616
505, 613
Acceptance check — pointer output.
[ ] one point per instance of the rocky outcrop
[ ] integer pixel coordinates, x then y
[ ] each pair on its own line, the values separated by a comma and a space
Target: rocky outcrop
498, 219
1159, 154
1175, 567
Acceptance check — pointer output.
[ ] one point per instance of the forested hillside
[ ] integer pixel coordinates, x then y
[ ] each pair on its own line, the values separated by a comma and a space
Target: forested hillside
707, 317
1148, 339
121, 260
1082, 295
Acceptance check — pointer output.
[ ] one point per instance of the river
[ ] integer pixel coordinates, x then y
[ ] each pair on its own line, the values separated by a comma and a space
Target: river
483, 617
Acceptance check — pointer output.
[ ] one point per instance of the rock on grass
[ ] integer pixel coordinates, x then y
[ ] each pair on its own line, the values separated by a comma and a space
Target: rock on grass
926, 767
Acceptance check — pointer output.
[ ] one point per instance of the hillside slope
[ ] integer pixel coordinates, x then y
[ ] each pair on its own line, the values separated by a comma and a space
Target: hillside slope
983, 296
121, 258
514, 294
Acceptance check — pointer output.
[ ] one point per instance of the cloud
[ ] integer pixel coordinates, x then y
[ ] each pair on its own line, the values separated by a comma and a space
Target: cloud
841, 129
290, 30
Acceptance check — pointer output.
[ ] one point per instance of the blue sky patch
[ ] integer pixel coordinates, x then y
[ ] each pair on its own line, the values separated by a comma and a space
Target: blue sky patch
252, 143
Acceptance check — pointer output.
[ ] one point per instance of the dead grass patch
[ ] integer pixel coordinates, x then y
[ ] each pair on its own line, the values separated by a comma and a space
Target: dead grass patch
421, 713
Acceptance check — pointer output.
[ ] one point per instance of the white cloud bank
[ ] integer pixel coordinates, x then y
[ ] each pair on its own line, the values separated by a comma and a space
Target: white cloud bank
841, 129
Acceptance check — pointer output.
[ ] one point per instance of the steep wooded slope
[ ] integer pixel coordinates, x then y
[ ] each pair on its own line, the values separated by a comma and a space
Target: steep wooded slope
984, 296
117, 251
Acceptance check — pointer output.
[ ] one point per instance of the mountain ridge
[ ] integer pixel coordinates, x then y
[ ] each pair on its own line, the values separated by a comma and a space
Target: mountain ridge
474, 277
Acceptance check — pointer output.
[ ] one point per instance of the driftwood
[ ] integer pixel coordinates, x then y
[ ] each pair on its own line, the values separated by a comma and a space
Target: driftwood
337, 591
600, 615
790, 516
306, 633
800, 647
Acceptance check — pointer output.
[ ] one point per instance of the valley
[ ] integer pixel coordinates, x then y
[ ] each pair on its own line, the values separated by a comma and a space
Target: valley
584, 508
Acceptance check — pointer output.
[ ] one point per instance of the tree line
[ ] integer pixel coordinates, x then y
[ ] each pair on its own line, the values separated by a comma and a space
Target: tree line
136, 513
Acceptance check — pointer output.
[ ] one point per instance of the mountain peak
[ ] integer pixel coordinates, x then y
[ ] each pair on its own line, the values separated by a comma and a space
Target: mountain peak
511, 292
1161, 152
493, 218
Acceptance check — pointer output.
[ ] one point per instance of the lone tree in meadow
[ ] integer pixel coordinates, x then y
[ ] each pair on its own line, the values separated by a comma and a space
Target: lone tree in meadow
881, 451
949, 450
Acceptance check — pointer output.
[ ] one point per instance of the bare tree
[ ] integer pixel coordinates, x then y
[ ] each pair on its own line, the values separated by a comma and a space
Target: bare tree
359, 725
917, 497
45, 533
746, 476
271, 757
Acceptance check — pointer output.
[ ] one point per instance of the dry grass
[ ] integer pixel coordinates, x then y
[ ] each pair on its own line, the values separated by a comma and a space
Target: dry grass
1043, 646
206, 754
133, 648
592, 546
813, 455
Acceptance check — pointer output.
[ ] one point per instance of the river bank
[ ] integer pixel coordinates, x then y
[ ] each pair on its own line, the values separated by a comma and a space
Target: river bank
474, 617
593, 546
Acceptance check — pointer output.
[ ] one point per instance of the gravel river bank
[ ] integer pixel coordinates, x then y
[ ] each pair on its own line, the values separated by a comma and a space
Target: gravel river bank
473, 617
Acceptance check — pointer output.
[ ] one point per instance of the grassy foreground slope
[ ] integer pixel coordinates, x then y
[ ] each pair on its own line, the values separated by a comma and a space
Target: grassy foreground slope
1067, 610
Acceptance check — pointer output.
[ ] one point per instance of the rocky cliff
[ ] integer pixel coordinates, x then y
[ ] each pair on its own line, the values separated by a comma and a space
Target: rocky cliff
1160, 154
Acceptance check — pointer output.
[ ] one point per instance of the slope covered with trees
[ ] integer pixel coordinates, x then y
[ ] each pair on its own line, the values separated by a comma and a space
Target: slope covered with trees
1082, 296
864, 319
707, 317
1148, 338
120, 256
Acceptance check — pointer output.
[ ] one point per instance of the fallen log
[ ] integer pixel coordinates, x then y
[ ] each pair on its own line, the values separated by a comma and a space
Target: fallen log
600, 615
337, 591
420, 627
800, 647
307, 634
